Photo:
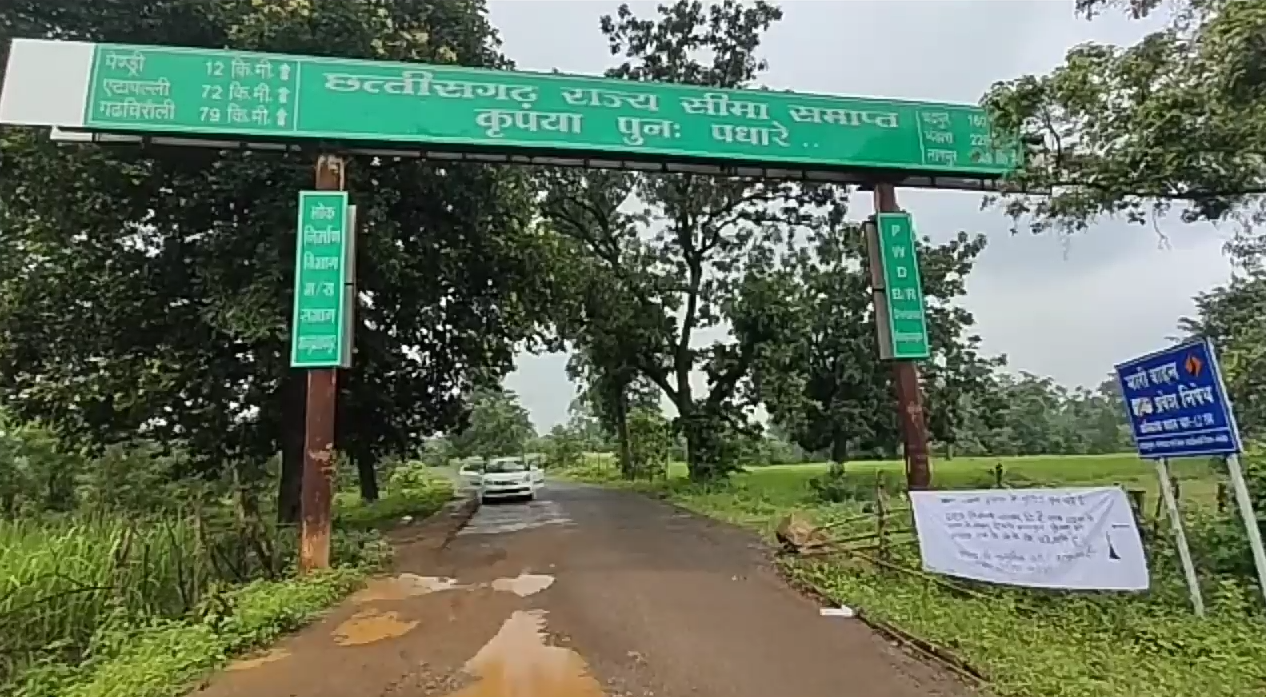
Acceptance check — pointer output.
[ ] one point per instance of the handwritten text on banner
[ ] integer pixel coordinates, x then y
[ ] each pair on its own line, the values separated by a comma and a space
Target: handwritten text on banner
1083, 538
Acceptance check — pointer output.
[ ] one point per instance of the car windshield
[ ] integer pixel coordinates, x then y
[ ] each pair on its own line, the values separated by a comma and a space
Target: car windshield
505, 466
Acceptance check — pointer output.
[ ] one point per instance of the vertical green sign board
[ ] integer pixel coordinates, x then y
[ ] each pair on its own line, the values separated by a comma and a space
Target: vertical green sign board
321, 259
903, 286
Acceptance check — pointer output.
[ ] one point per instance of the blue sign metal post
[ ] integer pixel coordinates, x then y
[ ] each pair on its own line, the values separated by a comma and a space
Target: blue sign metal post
1178, 407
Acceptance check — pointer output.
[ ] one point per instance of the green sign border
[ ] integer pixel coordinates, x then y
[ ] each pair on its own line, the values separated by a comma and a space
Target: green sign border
908, 220
341, 319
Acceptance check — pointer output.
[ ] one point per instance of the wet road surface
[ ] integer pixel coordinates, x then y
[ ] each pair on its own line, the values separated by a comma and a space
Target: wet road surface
583, 593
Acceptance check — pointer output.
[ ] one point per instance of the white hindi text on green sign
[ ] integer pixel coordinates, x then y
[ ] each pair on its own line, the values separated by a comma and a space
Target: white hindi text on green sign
318, 331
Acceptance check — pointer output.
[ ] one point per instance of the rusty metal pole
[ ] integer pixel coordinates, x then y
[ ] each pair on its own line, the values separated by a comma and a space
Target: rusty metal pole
905, 377
318, 442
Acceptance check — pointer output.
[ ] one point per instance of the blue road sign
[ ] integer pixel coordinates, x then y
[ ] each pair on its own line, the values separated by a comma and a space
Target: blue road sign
1177, 404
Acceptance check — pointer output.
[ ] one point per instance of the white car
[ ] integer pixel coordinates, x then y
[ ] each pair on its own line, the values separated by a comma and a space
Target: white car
504, 477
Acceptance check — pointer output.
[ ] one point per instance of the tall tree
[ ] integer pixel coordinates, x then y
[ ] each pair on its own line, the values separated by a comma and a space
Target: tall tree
824, 383
1177, 120
1233, 316
498, 425
678, 258
148, 291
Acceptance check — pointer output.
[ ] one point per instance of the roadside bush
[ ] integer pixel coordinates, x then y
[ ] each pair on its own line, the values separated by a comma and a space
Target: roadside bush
163, 657
838, 485
650, 444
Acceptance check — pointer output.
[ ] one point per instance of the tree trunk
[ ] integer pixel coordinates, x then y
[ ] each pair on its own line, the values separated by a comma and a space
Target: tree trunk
622, 434
293, 404
367, 475
839, 448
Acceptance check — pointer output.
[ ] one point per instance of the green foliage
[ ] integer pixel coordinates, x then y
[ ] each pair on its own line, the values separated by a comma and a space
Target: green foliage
838, 485
565, 448
187, 255
1033, 415
163, 658
650, 442
497, 426
438, 452
642, 291
1176, 120
820, 376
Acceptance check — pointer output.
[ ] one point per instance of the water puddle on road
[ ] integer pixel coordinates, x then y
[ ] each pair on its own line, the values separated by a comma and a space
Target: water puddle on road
257, 661
411, 586
523, 585
518, 662
370, 626
403, 586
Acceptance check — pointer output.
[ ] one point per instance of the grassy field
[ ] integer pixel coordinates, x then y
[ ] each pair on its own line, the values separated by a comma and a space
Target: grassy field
1024, 643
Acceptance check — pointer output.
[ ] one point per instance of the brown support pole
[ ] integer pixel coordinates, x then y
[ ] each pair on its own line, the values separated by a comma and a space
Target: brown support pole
318, 445
905, 376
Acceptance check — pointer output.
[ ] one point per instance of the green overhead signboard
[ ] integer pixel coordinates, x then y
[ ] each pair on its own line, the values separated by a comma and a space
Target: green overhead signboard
903, 287
226, 93
318, 334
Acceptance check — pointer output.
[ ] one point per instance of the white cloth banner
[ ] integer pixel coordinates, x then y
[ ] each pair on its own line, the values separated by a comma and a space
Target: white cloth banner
1083, 538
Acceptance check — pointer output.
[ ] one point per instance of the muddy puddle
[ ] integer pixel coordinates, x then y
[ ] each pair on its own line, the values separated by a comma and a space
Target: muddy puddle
406, 586
519, 662
369, 626
257, 661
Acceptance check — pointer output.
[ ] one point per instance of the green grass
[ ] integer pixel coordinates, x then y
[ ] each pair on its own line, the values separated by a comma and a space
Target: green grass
1026, 643
164, 658
116, 605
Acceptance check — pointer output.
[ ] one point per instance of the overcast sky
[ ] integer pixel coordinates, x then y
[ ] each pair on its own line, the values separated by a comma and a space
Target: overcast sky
1067, 308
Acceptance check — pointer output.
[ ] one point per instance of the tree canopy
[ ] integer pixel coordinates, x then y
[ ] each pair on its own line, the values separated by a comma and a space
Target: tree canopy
148, 291
1176, 121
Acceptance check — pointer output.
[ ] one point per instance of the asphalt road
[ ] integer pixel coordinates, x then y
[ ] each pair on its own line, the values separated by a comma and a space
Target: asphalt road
583, 593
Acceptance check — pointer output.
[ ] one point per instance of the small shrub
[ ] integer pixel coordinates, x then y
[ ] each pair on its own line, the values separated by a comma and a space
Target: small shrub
838, 485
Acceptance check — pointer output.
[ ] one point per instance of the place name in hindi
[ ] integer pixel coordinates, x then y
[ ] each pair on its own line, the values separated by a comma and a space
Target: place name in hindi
939, 137
940, 156
148, 110
317, 316
422, 83
115, 87
611, 98
133, 63
495, 121
935, 119
636, 130
324, 342
720, 104
908, 315
909, 338
843, 117
775, 133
